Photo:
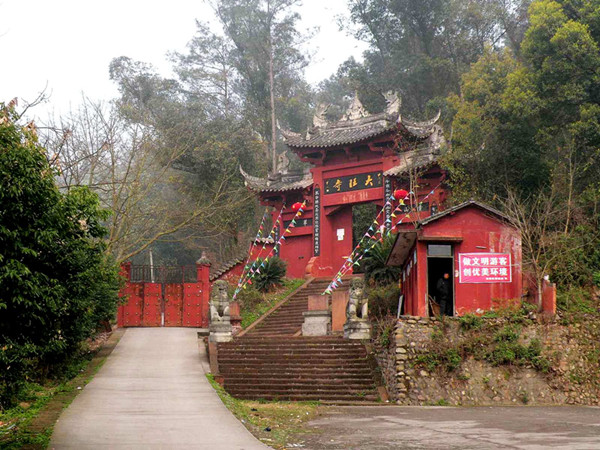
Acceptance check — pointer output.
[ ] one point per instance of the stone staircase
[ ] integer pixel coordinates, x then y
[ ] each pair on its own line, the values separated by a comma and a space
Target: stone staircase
301, 368
269, 362
287, 319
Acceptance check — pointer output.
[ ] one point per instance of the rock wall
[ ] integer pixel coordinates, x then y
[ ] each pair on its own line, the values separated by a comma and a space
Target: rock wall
386, 362
573, 351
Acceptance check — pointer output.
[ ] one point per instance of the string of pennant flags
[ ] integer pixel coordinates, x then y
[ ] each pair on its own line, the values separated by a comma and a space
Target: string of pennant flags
375, 229
249, 268
255, 268
259, 234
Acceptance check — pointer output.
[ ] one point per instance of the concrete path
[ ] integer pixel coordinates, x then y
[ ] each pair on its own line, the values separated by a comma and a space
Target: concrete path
152, 393
443, 428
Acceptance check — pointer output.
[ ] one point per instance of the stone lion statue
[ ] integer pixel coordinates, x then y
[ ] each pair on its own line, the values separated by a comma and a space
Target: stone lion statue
357, 304
219, 302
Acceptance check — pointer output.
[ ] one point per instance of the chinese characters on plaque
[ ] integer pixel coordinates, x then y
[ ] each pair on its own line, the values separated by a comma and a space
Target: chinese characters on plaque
317, 221
387, 188
484, 268
353, 182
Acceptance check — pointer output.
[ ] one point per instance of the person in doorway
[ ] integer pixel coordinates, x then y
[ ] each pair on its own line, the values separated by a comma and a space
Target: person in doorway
443, 290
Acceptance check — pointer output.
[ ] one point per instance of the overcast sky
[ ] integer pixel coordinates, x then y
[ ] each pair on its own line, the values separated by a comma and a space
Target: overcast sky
66, 46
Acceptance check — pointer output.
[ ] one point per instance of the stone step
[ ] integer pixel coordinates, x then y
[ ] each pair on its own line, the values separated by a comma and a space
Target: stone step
239, 372
321, 352
277, 330
301, 339
308, 386
341, 363
282, 347
351, 378
310, 397
291, 361
307, 396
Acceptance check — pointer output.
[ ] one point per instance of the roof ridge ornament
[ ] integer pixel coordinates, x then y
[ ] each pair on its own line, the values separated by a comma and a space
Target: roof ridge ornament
393, 103
355, 111
319, 119
287, 134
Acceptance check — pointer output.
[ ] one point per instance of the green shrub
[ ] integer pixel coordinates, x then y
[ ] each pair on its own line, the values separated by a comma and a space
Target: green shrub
383, 330
377, 273
503, 353
470, 322
509, 333
383, 301
448, 359
271, 274
56, 283
576, 301
249, 298
511, 352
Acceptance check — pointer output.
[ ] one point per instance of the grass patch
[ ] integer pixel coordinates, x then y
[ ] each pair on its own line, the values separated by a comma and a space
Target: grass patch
284, 419
253, 304
29, 424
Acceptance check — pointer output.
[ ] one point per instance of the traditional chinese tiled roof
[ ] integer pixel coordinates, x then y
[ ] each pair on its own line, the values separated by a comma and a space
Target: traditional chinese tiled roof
357, 125
344, 133
480, 205
227, 266
414, 159
279, 182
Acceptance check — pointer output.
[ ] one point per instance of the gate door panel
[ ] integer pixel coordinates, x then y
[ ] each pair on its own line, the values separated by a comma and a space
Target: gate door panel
173, 305
192, 305
152, 305
131, 312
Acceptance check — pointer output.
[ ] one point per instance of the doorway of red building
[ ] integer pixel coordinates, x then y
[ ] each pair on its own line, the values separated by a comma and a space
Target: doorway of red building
440, 285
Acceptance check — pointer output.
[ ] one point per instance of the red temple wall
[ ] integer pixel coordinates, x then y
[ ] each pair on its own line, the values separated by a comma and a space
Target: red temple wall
297, 251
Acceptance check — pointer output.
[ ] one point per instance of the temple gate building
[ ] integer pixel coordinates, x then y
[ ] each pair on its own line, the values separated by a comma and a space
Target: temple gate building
362, 158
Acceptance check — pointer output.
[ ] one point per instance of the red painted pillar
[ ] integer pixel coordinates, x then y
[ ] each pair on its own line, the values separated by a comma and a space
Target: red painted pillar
548, 297
203, 274
421, 269
125, 273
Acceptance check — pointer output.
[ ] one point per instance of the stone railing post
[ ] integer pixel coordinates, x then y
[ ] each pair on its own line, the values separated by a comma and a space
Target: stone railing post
317, 320
203, 282
125, 270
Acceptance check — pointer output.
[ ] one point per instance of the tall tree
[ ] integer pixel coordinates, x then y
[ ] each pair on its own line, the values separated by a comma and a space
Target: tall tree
421, 48
207, 72
268, 58
135, 178
530, 127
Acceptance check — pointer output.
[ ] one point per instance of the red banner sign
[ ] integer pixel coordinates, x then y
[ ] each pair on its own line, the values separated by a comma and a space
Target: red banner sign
484, 268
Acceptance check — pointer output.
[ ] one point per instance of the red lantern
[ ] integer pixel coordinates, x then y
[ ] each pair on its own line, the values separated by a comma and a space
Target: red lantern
296, 206
400, 194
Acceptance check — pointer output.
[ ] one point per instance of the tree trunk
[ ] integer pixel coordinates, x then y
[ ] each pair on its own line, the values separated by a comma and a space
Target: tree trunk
272, 91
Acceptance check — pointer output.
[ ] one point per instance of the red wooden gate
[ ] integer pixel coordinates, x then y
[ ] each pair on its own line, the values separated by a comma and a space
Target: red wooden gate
164, 303
174, 305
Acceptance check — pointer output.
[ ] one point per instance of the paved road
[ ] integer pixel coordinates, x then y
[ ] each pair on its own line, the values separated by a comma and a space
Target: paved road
151, 393
386, 428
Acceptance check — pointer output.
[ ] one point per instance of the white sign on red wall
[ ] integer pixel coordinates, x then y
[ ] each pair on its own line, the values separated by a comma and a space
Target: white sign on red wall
484, 268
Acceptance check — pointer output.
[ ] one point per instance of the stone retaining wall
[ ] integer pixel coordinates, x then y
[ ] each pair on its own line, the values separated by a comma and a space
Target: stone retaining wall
386, 362
571, 349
